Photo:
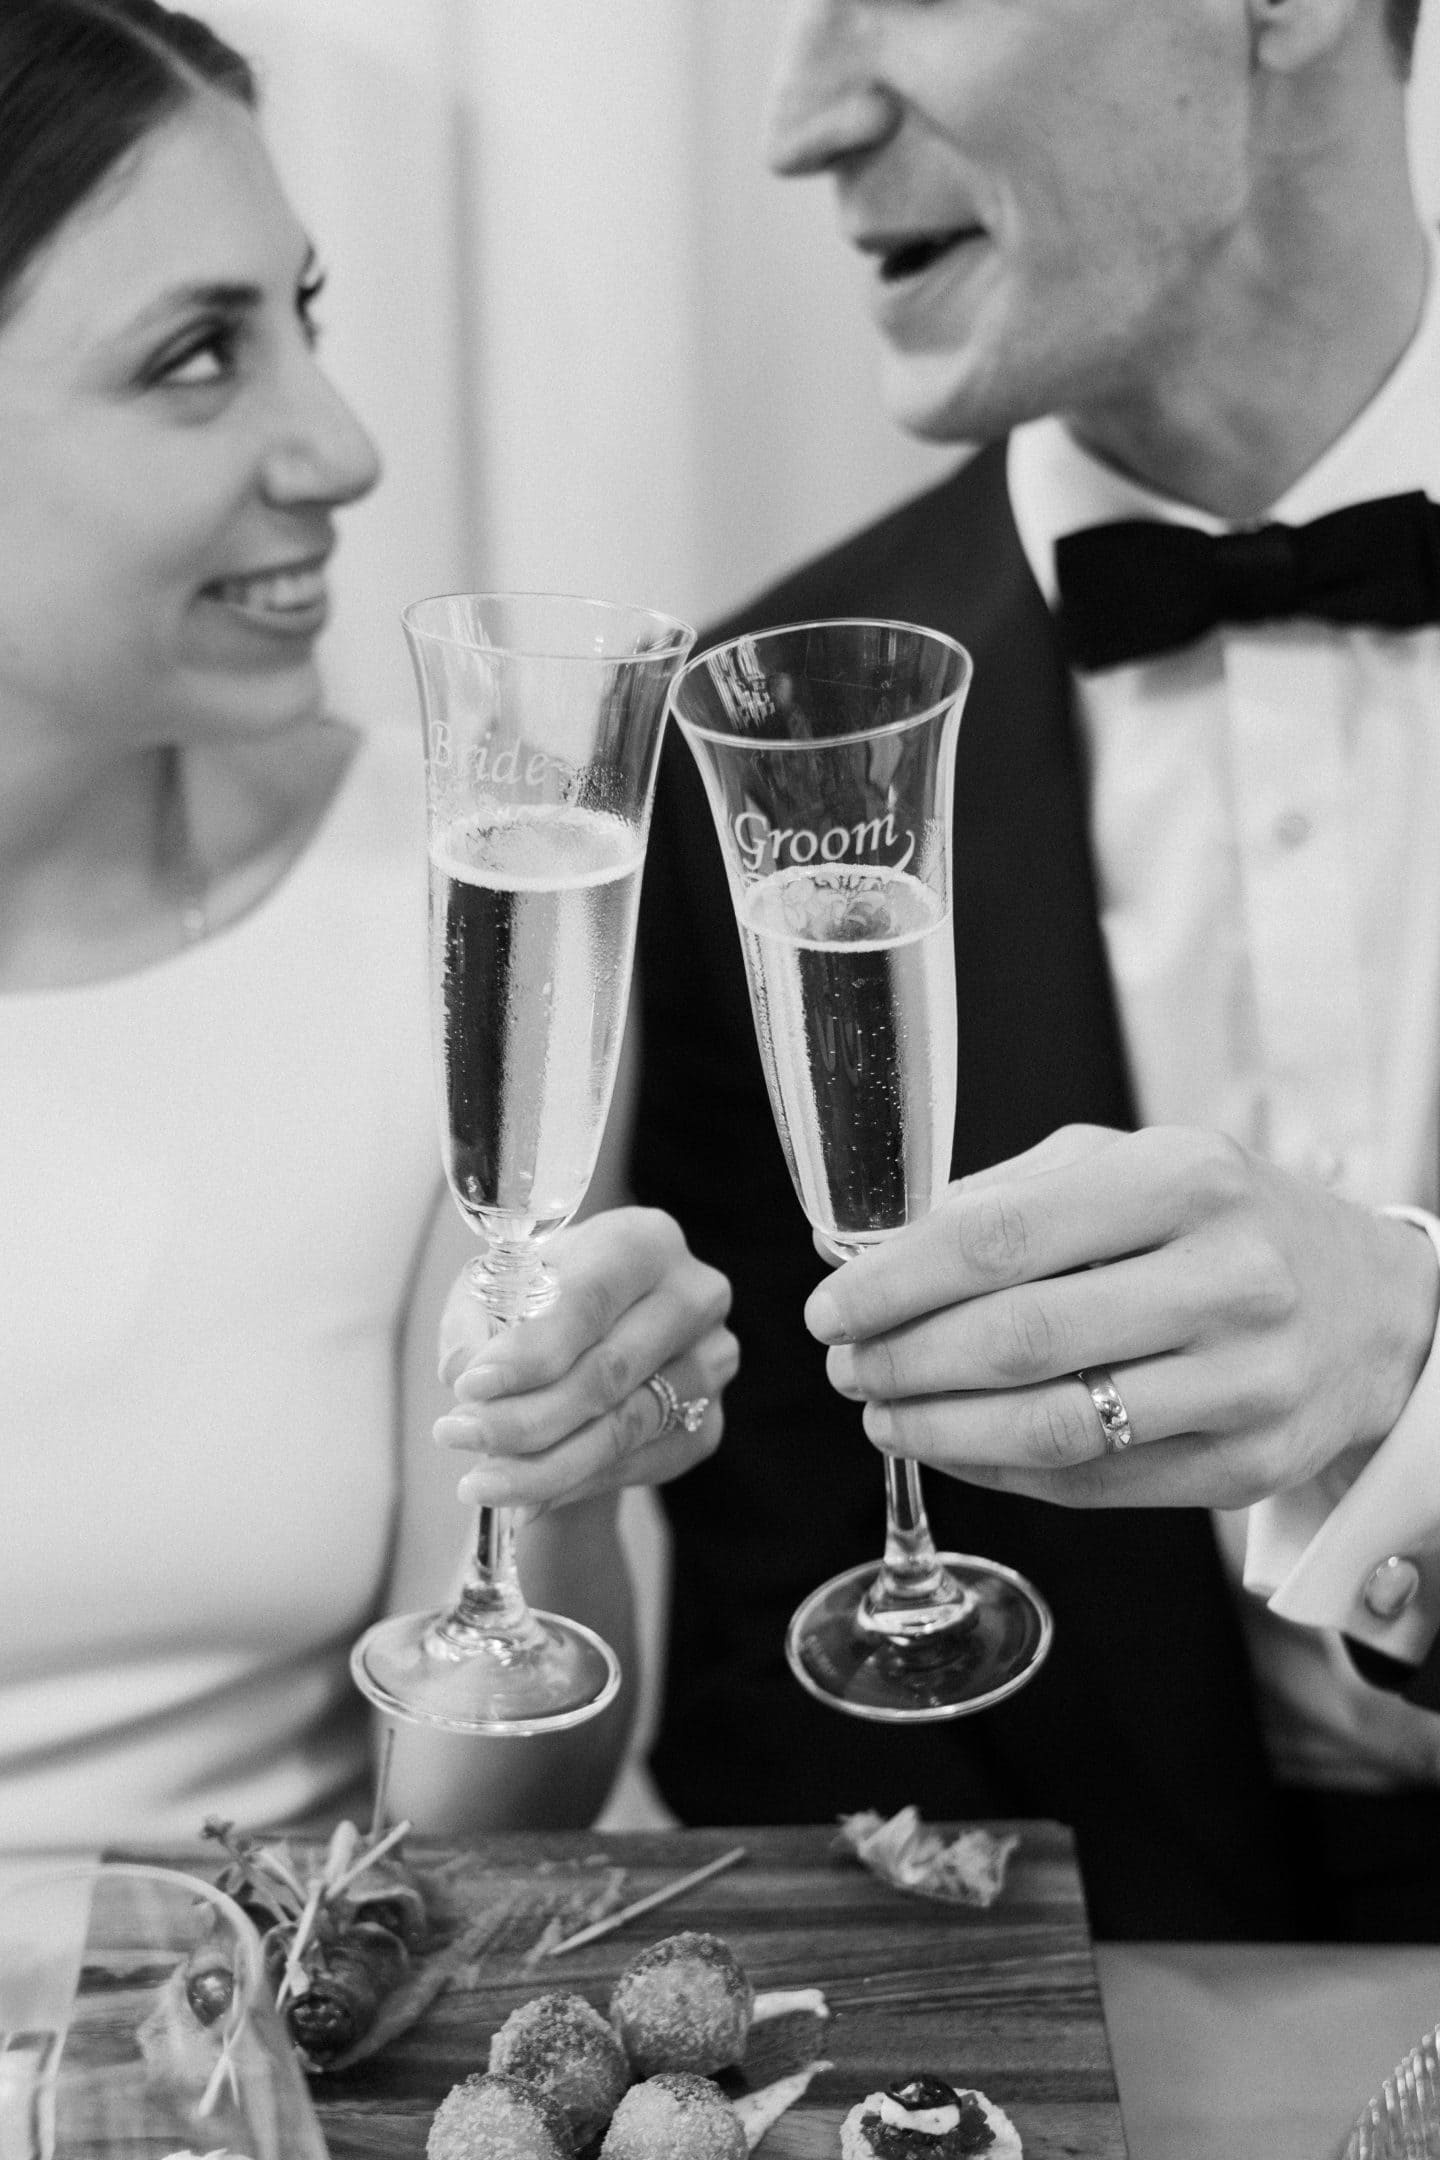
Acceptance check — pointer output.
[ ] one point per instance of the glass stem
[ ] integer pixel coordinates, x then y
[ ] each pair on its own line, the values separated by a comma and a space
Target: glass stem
490, 1598
512, 1284
911, 1572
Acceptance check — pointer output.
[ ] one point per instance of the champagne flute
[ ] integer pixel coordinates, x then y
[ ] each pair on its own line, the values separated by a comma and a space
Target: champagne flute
827, 750
542, 720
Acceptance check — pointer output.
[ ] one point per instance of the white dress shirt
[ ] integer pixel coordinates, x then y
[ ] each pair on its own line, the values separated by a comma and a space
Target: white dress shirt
1265, 816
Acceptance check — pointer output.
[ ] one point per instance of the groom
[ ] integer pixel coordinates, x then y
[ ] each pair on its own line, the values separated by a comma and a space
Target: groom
1169, 1347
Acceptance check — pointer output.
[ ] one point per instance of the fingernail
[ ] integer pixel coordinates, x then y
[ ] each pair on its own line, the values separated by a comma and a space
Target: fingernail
480, 1383
488, 1486
452, 1364
458, 1431
822, 1316
879, 1423
840, 1369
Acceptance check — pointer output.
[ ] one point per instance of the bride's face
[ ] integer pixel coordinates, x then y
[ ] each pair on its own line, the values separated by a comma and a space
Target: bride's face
170, 453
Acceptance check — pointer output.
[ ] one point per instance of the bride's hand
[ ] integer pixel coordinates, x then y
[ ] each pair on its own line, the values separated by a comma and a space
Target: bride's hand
560, 1407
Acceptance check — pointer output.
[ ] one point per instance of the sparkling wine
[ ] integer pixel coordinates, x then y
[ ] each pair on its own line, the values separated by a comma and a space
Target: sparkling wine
532, 925
852, 983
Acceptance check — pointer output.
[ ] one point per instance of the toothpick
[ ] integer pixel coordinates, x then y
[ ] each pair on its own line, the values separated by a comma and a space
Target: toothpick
646, 1904
382, 1780
368, 1859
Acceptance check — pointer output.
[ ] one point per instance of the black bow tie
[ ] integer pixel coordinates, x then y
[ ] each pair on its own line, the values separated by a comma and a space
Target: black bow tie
1141, 587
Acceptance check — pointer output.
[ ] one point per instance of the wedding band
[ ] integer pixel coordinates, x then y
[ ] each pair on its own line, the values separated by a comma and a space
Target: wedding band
675, 1415
1114, 1417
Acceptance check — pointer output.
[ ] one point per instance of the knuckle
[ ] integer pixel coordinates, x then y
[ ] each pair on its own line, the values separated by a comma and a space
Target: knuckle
1283, 1389
615, 1373
1251, 1403
875, 1372
1054, 1434
1274, 1289
1268, 1467
717, 1294
723, 1358
520, 1434
594, 1309
991, 1234
1263, 1285
628, 1427
1217, 1168
651, 1227
1028, 1341
703, 1291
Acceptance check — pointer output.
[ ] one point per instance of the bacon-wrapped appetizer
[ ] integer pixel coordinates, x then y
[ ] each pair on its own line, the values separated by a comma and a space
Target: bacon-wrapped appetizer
339, 1940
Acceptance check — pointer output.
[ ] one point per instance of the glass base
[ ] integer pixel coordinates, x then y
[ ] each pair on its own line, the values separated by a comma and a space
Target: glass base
994, 1636
561, 1674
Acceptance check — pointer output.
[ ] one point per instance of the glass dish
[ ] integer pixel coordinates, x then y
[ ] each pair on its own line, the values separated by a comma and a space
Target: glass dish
1402, 2122
136, 2021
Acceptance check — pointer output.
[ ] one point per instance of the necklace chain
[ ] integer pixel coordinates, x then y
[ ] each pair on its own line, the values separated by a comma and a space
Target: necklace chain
182, 870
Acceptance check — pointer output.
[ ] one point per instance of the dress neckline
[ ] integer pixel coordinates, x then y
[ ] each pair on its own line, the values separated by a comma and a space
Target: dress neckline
195, 952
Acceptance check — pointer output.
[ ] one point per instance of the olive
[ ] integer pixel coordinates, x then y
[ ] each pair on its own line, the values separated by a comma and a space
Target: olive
920, 2092
210, 1992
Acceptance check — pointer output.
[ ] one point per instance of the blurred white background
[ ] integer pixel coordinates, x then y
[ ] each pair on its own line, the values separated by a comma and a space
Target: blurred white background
602, 349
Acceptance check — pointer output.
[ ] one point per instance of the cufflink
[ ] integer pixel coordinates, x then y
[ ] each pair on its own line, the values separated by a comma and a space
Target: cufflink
1390, 1587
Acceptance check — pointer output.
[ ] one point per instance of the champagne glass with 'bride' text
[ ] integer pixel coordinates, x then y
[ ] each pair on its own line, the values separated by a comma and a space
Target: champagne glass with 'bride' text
827, 750
542, 718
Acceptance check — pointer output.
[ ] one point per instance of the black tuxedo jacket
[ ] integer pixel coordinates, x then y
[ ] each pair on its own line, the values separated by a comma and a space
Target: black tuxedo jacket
1140, 1731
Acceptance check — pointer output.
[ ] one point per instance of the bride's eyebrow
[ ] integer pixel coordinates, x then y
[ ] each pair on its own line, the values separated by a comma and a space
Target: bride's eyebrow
222, 297
202, 296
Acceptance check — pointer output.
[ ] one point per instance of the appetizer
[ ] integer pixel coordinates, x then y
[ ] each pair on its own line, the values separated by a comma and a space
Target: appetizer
494, 2117
338, 1941
675, 2115
563, 2047
923, 2118
683, 2004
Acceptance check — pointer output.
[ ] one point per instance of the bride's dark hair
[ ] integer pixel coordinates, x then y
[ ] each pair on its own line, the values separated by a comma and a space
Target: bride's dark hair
81, 83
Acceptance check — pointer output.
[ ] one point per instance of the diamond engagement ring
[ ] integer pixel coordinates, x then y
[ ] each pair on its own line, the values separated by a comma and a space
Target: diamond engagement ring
1114, 1417
675, 1415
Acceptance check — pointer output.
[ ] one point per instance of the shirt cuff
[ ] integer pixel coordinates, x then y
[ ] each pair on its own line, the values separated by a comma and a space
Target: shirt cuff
1311, 1553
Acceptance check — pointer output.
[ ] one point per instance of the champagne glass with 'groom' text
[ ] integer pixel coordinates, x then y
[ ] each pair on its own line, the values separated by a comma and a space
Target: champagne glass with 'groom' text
542, 718
827, 750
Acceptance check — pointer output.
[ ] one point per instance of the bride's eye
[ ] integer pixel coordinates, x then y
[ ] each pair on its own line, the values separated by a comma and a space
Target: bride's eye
206, 356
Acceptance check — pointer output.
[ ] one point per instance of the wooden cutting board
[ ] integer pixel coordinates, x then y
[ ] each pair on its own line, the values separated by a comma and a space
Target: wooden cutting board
1004, 1999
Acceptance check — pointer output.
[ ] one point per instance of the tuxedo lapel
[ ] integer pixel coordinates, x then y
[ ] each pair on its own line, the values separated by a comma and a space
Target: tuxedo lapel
1039, 1039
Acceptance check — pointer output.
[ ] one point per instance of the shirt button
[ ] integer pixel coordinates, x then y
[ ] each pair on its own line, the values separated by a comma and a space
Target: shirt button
1293, 829
1391, 1587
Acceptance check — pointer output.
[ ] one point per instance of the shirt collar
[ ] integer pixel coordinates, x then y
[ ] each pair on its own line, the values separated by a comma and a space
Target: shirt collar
1056, 486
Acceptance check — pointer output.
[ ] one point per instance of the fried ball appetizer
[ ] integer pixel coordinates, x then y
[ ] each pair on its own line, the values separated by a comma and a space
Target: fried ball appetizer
560, 2044
674, 2115
683, 2004
494, 2117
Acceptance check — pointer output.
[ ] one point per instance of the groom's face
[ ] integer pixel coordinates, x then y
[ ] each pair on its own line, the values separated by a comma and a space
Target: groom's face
1042, 188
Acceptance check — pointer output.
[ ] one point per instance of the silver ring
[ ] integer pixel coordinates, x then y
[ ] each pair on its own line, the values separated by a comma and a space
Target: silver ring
675, 1415
1114, 1417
